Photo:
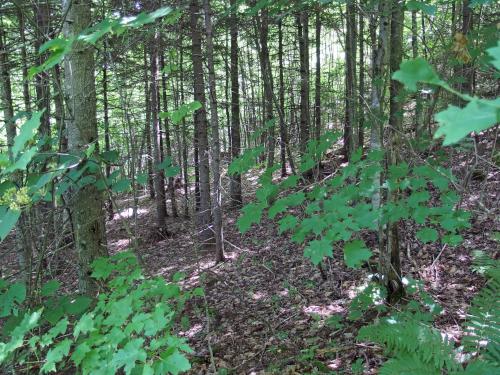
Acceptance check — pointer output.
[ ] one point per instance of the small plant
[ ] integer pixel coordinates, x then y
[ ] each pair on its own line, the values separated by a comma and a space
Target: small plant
129, 328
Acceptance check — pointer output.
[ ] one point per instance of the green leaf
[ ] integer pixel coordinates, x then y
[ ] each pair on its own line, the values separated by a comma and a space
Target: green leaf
110, 156
77, 305
174, 363
251, 214
427, 235
15, 295
50, 288
355, 253
246, 161
84, 325
456, 123
55, 331
27, 132
121, 186
423, 6
8, 219
286, 223
80, 352
494, 52
56, 355
413, 71
127, 357
318, 249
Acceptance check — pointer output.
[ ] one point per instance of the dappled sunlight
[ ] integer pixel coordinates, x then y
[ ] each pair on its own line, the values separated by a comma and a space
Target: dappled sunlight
324, 311
129, 212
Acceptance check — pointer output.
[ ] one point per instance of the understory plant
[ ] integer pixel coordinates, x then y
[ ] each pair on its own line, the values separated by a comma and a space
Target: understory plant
130, 327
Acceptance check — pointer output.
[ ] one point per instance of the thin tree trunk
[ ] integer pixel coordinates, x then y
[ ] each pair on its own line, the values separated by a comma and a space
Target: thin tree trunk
42, 79
214, 121
85, 203
235, 180
24, 61
418, 99
147, 131
303, 36
107, 145
265, 65
361, 91
350, 74
203, 216
283, 138
168, 144
317, 92
184, 135
390, 254
159, 180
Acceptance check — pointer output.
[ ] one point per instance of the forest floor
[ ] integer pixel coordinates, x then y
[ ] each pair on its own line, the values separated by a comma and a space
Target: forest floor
267, 308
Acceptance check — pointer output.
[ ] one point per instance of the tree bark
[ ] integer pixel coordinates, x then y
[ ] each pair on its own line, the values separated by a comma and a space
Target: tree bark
168, 144
235, 144
214, 122
147, 127
85, 203
303, 36
317, 91
204, 220
390, 253
350, 79
158, 176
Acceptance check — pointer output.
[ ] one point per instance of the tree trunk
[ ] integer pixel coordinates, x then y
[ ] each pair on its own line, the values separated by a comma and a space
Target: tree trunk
317, 91
214, 121
283, 137
42, 79
168, 144
414, 48
203, 216
303, 36
107, 144
24, 61
350, 79
235, 180
85, 203
265, 65
390, 253
159, 180
147, 127
361, 91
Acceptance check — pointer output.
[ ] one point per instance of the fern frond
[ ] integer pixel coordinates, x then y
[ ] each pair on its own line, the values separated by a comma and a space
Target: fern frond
482, 262
407, 365
483, 325
405, 336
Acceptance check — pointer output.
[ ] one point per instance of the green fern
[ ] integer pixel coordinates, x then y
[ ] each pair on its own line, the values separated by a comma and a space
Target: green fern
482, 263
407, 364
483, 324
405, 335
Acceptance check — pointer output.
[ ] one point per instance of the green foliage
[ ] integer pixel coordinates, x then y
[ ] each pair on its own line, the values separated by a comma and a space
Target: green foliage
182, 112
415, 347
59, 47
129, 328
483, 321
454, 123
